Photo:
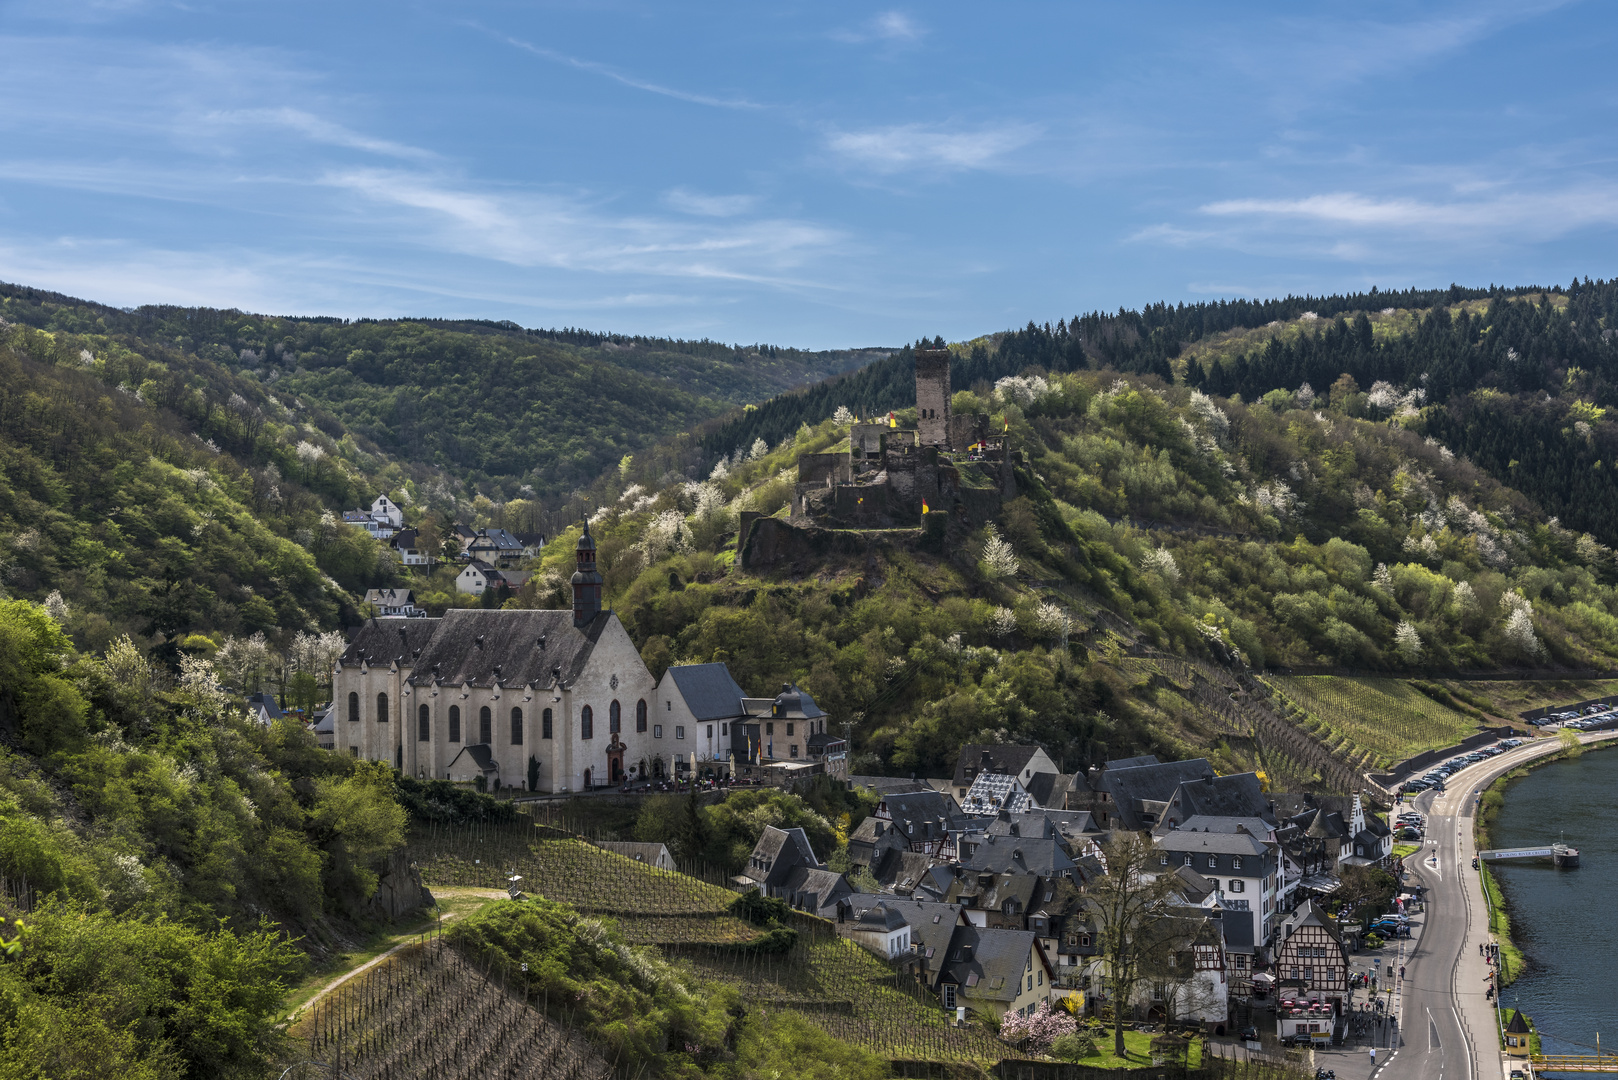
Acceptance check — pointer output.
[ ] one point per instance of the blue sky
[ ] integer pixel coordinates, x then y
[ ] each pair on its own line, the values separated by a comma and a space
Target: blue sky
809, 174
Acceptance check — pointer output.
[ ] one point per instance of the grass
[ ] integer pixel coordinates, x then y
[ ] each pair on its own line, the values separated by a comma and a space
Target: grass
1507, 698
1500, 927
1138, 1051
1402, 850
451, 903
1386, 720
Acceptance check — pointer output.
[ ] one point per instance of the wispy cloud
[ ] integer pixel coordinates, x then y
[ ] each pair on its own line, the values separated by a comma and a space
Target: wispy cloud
614, 74
916, 146
315, 129
541, 230
1551, 213
887, 26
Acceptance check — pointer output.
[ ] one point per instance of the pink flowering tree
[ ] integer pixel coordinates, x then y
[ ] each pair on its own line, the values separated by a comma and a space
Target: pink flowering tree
1039, 1030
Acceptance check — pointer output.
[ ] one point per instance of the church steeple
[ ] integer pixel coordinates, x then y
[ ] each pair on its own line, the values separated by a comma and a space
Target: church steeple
586, 581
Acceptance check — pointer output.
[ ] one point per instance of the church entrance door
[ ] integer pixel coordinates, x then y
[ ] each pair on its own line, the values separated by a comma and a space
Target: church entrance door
615, 763
586, 779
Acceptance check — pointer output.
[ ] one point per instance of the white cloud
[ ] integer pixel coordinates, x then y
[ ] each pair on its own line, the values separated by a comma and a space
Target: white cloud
915, 146
1541, 212
691, 202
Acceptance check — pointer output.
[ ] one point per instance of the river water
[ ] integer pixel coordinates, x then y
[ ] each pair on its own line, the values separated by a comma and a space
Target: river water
1565, 921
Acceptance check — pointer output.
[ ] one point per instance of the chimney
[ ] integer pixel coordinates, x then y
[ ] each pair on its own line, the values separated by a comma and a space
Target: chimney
586, 581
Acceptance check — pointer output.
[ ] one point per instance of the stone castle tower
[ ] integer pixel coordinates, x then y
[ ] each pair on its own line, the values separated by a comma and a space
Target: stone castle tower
932, 397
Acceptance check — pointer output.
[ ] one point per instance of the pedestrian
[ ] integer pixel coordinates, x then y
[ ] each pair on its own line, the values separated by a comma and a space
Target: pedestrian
1401, 971
1373, 1059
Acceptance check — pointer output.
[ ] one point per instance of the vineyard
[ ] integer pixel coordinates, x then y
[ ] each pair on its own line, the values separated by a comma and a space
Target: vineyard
1373, 723
427, 1011
851, 994
650, 906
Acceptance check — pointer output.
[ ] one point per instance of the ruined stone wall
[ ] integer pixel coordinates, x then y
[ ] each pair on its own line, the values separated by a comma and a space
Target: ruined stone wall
866, 439
836, 468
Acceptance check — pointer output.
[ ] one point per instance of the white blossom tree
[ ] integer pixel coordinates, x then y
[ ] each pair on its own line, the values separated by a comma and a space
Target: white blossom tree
1161, 562
842, 416
1407, 642
998, 559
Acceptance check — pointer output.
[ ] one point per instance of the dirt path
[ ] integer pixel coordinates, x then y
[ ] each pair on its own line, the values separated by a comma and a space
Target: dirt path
486, 894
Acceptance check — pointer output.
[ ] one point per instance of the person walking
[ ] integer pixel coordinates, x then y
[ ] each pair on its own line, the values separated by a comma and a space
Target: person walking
1373, 1059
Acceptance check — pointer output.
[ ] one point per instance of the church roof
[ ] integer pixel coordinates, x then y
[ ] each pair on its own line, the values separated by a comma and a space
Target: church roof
473, 646
708, 690
395, 640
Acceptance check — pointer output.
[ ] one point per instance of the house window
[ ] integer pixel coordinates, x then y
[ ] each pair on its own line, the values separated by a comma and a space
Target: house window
1030, 982
485, 726
615, 718
1188, 860
709, 735
640, 714
587, 723
679, 731
1162, 860
424, 725
657, 731
382, 708
354, 708
1236, 862
949, 997
516, 727
789, 729
454, 723
724, 730
353, 751
1238, 885
545, 724
769, 729
1039, 976
1213, 861
1084, 941
668, 706
794, 749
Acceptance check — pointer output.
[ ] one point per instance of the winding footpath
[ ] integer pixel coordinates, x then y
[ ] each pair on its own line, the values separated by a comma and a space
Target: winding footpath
1446, 1027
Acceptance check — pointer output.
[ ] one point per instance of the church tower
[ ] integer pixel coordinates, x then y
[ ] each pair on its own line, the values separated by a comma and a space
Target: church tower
586, 581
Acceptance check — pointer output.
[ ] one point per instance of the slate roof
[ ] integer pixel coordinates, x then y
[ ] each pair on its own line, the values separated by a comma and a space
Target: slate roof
1238, 934
1020, 855
888, 785
498, 539
266, 702
1238, 795
987, 964
392, 641
404, 538
390, 597
1214, 843
820, 889
996, 757
1517, 1025
1133, 788
474, 646
795, 704
1132, 762
901, 870
1309, 913
708, 690
880, 918
923, 815
482, 755
1257, 826
1050, 789
780, 851
1075, 827
1192, 885
326, 723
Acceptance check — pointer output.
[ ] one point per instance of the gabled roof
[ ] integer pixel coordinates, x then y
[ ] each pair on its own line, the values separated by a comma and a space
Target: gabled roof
1192, 885
1050, 789
1240, 842
1310, 914
380, 643
992, 792
266, 704
823, 888
708, 690
995, 757
404, 538
326, 723
923, 815
480, 755
498, 539
390, 597
1134, 787
649, 853
1239, 795
900, 869
1045, 856
1199, 823
794, 704
781, 851
1238, 933
474, 646
988, 965
880, 918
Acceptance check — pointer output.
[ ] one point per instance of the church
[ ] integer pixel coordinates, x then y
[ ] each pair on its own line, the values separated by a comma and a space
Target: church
551, 701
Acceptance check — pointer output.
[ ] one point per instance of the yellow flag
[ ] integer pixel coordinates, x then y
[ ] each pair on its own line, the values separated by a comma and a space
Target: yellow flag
924, 508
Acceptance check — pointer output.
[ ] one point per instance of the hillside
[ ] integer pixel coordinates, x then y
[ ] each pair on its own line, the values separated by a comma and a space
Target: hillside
510, 411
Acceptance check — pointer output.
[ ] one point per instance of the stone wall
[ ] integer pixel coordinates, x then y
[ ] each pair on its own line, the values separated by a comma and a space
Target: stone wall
932, 396
836, 468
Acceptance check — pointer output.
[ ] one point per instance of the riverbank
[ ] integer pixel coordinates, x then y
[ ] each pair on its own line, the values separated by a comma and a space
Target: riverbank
1490, 804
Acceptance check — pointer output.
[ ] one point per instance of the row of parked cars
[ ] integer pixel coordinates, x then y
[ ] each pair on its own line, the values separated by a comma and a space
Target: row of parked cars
1593, 716
1434, 778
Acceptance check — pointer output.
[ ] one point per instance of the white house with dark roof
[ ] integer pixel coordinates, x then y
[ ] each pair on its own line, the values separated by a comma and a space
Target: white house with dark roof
552, 695
777, 855
394, 604
992, 972
1243, 865
882, 931
692, 711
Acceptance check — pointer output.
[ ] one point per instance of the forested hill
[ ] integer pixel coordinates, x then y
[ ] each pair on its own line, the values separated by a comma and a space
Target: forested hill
1520, 381
509, 411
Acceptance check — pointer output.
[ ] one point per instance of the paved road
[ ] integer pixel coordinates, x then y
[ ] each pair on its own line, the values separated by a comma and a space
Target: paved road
1446, 1026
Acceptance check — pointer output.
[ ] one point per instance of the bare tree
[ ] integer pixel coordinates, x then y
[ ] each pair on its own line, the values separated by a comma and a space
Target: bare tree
1129, 905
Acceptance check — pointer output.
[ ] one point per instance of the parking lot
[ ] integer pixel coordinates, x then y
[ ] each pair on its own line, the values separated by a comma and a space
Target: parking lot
1433, 779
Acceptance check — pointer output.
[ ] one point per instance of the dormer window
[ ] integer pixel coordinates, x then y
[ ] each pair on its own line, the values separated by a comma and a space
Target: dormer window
1236, 862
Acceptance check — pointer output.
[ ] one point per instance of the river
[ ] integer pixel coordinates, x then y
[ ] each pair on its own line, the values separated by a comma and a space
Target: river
1564, 920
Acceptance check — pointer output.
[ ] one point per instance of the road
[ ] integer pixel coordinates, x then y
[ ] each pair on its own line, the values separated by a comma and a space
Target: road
1447, 1029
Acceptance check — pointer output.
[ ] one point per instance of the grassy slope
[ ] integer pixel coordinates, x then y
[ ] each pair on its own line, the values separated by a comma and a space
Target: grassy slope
1387, 718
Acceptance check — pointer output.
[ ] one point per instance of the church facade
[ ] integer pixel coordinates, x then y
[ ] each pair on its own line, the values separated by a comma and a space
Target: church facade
551, 701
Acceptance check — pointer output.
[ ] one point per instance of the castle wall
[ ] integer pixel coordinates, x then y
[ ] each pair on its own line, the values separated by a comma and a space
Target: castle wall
866, 439
932, 397
836, 468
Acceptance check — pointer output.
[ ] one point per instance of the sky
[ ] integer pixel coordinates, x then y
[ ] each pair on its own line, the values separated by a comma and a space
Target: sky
821, 175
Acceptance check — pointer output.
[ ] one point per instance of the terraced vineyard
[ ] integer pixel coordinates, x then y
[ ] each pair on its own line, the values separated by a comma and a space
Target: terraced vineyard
427, 1011
1373, 722
851, 994
651, 906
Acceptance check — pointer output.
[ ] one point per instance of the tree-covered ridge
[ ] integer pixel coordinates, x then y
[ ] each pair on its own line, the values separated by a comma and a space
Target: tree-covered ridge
502, 408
